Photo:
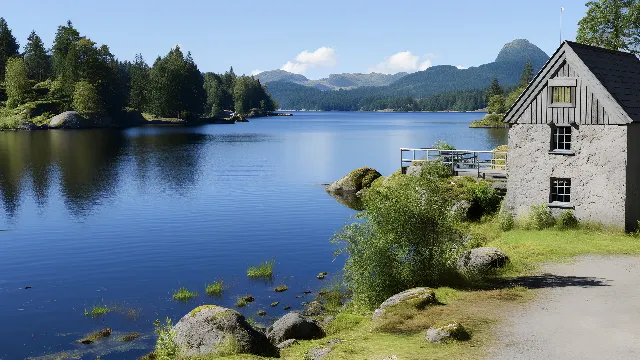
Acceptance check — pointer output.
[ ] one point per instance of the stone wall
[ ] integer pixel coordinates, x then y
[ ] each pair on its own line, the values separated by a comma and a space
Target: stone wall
597, 170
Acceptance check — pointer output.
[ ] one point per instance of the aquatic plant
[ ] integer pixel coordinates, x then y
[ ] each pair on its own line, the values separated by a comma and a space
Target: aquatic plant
129, 337
183, 294
265, 269
97, 310
214, 289
244, 301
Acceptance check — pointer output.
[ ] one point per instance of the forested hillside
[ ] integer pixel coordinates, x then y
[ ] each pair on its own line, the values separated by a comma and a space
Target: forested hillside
436, 88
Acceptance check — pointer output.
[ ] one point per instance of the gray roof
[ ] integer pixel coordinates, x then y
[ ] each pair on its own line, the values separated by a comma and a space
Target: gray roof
617, 71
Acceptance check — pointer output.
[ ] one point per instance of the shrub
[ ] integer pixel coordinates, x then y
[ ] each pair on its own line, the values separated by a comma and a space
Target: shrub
568, 220
506, 221
166, 348
17, 82
442, 145
435, 170
405, 238
540, 218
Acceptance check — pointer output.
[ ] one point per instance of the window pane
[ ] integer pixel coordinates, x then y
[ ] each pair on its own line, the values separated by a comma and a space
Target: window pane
561, 94
560, 190
561, 138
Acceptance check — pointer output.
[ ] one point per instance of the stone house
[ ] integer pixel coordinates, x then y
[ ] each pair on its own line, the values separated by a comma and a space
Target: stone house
574, 137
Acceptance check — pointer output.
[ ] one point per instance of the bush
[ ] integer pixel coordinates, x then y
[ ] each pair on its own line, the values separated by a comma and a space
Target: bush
442, 145
483, 199
166, 348
540, 218
568, 220
405, 238
506, 221
17, 83
435, 170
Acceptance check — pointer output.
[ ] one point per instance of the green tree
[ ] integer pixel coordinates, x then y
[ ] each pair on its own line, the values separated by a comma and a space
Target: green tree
37, 59
494, 89
177, 86
496, 104
214, 89
8, 46
17, 82
228, 88
140, 82
527, 74
64, 57
241, 95
86, 99
611, 24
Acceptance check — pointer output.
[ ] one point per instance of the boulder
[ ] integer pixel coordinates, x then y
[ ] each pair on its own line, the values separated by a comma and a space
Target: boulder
482, 259
67, 120
294, 326
348, 199
317, 353
355, 181
461, 210
447, 333
287, 343
314, 308
414, 170
211, 329
419, 297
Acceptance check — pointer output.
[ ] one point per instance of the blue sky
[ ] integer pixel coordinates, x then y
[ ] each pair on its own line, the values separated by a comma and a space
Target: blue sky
314, 38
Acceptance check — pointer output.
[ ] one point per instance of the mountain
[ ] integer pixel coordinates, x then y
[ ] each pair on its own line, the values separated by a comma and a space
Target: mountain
507, 68
266, 77
333, 82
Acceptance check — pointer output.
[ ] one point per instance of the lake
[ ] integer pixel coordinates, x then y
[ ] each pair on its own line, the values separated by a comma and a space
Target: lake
125, 217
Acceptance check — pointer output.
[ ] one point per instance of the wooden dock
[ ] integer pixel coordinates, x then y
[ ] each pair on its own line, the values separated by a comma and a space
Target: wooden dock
489, 164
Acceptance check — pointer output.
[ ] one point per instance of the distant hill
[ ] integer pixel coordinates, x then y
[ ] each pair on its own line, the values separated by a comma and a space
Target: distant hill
333, 82
422, 84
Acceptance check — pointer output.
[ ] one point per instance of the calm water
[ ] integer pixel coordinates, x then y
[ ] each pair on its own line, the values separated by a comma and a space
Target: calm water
126, 217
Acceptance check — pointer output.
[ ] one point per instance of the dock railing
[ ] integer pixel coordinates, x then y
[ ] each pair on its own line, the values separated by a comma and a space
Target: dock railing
482, 161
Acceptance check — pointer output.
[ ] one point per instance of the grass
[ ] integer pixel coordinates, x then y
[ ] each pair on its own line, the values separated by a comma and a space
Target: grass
183, 294
214, 289
97, 310
265, 270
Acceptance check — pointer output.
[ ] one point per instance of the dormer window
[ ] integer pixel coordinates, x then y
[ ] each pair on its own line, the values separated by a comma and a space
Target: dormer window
562, 92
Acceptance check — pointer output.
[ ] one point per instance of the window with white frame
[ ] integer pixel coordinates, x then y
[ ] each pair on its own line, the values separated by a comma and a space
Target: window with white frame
562, 92
560, 190
561, 138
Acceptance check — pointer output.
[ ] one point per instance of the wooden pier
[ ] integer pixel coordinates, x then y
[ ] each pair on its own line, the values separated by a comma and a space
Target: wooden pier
489, 164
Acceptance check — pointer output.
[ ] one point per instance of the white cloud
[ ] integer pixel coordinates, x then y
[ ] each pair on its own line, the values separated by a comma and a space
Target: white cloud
256, 72
403, 61
296, 68
461, 67
324, 56
321, 57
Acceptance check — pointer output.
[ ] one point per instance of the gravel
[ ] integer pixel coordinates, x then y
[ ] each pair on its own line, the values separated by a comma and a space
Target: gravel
574, 319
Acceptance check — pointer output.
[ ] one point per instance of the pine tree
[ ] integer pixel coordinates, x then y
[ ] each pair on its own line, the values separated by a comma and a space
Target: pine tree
527, 74
8, 46
64, 54
139, 94
37, 59
494, 89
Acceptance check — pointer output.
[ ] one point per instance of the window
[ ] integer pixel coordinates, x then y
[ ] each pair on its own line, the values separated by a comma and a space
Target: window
560, 190
561, 138
561, 94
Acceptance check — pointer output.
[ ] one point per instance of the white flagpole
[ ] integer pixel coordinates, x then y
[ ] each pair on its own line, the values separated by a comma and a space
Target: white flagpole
561, 11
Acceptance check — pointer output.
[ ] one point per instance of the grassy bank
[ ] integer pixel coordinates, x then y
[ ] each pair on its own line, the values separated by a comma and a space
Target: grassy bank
489, 121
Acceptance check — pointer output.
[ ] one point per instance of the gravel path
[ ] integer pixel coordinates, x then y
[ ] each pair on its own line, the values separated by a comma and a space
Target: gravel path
589, 309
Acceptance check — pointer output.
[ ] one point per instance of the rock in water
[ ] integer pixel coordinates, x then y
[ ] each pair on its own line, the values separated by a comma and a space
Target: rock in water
355, 181
419, 297
482, 259
294, 326
450, 332
211, 329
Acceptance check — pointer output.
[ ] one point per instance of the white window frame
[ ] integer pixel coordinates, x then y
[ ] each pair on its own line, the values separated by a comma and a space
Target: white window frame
562, 82
562, 192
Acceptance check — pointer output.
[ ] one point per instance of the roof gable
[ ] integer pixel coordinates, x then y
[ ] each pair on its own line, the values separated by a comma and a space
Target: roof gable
602, 70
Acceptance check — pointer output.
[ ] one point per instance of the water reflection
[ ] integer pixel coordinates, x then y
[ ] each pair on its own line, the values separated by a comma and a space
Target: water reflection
87, 166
